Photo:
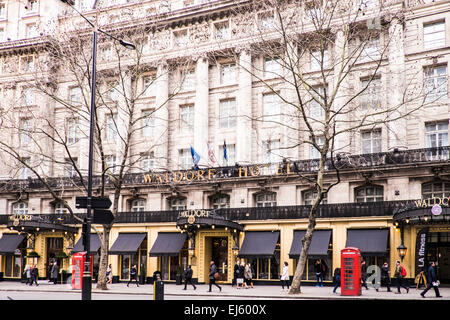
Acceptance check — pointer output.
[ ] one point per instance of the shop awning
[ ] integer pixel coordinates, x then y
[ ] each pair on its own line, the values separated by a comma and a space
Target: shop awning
10, 242
127, 243
94, 245
371, 242
168, 244
259, 244
318, 247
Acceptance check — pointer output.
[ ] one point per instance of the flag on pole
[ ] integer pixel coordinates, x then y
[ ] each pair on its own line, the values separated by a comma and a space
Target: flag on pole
225, 155
211, 154
195, 157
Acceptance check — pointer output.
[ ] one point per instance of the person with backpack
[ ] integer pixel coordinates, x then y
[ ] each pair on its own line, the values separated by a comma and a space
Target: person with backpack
337, 279
400, 274
188, 277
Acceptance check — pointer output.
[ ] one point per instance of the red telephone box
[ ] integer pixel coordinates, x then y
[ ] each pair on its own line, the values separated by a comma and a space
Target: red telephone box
350, 272
78, 260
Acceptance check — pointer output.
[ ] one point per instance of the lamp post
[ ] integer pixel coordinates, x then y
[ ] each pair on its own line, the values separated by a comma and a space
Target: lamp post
401, 249
87, 281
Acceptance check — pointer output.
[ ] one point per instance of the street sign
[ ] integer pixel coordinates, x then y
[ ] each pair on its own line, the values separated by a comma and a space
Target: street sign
96, 202
102, 217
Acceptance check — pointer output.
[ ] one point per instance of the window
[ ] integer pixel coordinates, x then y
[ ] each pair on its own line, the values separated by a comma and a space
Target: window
185, 159
436, 134
149, 89
72, 131
148, 162
27, 63
369, 194
317, 60
371, 141
222, 30
271, 107
180, 38
84, 5
75, 95
313, 152
370, 49
114, 92
434, 35
31, 30
138, 205
228, 74
26, 129
367, 4
187, 118
316, 109
24, 171
188, 80
220, 201
272, 68
267, 199
227, 113
231, 155
32, 6
310, 195
28, 98
69, 168
170, 265
178, 203
266, 21
128, 260
60, 208
435, 83
271, 150
2, 9
435, 189
111, 127
267, 268
20, 208
370, 98
148, 124
111, 164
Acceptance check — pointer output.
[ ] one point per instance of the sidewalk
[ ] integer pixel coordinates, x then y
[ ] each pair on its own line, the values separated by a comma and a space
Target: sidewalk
228, 292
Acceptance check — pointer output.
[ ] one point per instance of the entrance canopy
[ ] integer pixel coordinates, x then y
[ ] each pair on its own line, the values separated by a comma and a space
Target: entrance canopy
127, 243
168, 244
259, 244
319, 244
94, 246
372, 242
10, 242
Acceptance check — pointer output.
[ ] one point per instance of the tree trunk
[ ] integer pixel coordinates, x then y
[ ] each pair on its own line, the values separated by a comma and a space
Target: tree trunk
101, 283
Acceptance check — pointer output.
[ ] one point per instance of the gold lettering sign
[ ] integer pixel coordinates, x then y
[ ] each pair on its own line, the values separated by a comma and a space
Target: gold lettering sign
22, 217
425, 203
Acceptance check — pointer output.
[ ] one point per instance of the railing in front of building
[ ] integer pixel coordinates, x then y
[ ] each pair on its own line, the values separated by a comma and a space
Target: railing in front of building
341, 161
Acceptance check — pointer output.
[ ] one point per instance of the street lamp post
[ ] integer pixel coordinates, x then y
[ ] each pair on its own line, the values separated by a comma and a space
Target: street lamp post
87, 281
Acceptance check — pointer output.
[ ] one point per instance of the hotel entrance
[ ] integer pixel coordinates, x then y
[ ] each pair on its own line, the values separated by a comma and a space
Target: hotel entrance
439, 251
217, 248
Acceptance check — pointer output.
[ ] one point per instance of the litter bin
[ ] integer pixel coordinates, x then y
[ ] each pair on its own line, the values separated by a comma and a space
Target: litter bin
158, 290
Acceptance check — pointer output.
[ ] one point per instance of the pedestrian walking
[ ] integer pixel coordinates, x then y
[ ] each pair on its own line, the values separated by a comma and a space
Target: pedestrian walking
364, 274
213, 274
27, 272
241, 276
432, 281
320, 269
285, 276
54, 272
34, 275
248, 275
400, 273
109, 274
133, 275
337, 279
386, 276
188, 277
235, 274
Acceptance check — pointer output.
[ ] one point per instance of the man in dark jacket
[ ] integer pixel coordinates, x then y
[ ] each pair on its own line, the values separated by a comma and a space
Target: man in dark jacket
364, 274
34, 275
133, 275
431, 281
337, 279
54, 272
385, 277
188, 277
236, 273
212, 280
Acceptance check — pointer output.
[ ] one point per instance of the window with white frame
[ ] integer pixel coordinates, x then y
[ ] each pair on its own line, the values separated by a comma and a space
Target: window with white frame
310, 195
178, 203
231, 155
222, 30
266, 199
111, 164
72, 131
266, 21
69, 167
31, 30
370, 49
28, 97
437, 189
187, 118
84, 5
434, 35
435, 83
367, 4
272, 68
271, 150
185, 159
271, 107
316, 110
313, 152
371, 141
219, 201
111, 127
32, 6
370, 98
24, 171
228, 73
75, 95
369, 194
2, 9
318, 59
436, 134
60, 208
188, 81
114, 91
148, 123
20, 207
138, 205
180, 38
148, 161
149, 86
227, 113
27, 63
26, 128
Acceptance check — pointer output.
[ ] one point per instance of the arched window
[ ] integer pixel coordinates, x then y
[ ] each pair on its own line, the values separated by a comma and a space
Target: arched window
178, 203
137, 205
438, 189
220, 201
369, 194
310, 195
266, 199
20, 207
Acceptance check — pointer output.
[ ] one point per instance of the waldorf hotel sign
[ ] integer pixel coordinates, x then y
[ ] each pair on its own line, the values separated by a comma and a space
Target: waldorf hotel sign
212, 174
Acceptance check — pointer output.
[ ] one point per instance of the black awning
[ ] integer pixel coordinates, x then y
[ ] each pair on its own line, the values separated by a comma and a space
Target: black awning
318, 247
94, 246
371, 242
127, 243
259, 244
10, 241
168, 244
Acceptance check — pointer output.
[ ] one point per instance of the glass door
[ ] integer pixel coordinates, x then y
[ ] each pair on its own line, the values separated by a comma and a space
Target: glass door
220, 256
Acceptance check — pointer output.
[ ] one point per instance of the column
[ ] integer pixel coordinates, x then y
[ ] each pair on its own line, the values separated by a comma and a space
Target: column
161, 140
201, 110
244, 109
